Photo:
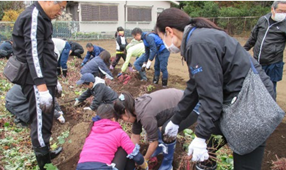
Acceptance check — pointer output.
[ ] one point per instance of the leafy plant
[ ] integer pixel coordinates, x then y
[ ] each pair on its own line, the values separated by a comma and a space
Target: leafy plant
150, 88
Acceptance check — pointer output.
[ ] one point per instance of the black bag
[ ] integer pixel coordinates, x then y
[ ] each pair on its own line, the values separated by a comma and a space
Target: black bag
15, 71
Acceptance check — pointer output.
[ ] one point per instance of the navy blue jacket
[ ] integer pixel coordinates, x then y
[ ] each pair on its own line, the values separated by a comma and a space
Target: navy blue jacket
7, 46
93, 66
153, 44
96, 51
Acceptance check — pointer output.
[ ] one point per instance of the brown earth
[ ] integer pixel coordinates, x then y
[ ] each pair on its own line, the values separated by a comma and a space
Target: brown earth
77, 120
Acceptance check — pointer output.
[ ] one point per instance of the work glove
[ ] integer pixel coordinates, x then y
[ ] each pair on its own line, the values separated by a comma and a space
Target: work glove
46, 101
87, 108
59, 89
82, 64
171, 130
143, 67
144, 165
148, 65
65, 73
198, 148
61, 117
77, 102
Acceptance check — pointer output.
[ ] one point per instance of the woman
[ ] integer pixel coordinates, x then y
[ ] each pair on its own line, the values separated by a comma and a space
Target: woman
218, 65
152, 111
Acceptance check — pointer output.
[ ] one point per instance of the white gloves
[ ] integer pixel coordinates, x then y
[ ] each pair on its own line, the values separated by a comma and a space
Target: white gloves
61, 118
59, 89
86, 108
198, 148
148, 65
171, 129
77, 102
46, 101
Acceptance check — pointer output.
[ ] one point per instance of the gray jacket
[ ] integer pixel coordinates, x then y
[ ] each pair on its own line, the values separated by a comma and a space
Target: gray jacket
268, 41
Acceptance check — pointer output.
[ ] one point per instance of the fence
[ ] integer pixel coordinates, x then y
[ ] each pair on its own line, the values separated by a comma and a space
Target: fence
73, 30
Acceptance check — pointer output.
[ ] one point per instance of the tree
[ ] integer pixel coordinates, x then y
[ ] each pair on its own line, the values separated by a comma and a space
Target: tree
10, 5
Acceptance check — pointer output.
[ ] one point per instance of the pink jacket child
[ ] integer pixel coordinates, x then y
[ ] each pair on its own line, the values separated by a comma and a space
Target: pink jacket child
105, 137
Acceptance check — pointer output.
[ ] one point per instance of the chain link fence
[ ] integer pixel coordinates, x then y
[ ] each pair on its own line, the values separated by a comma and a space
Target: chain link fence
71, 30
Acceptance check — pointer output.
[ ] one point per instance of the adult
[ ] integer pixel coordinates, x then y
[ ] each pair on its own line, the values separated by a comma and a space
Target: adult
6, 49
62, 49
154, 48
268, 41
92, 51
32, 37
217, 65
152, 111
76, 49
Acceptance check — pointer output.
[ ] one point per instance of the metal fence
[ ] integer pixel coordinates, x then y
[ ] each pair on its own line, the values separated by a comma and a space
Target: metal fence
235, 26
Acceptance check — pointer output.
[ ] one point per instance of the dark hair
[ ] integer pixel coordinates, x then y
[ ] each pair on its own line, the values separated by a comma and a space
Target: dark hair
136, 31
105, 56
106, 111
86, 83
120, 29
127, 104
89, 45
176, 18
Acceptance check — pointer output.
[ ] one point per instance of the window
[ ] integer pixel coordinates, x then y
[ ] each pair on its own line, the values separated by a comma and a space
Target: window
91, 12
139, 14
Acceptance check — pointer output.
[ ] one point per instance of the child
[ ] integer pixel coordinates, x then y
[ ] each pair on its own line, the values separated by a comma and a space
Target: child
97, 88
102, 144
121, 43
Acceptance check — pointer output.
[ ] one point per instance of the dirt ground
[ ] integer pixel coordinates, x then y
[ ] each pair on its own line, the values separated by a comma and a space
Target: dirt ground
77, 120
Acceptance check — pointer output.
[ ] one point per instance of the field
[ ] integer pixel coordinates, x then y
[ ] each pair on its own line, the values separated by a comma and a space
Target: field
15, 148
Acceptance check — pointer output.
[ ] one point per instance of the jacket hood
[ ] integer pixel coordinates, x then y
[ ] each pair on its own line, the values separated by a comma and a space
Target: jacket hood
140, 104
105, 126
187, 29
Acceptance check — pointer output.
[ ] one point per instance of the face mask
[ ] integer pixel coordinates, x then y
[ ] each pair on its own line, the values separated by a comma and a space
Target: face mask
172, 48
279, 17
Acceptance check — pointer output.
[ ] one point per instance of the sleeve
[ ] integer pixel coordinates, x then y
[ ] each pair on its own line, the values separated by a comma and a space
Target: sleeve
84, 95
126, 143
151, 128
57, 52
65, 56
136, 128
34, 32
98, 95
127, 60
100, 49
252, 39
103, 68
153, 48
86, 58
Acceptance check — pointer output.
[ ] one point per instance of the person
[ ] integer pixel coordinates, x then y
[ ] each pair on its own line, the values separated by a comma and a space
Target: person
152, 111
268, 41
121, 44
6, 49
34, 45
103, 141
76, 49
98, 66
92, 51
62, 49
154, 48
96, 88
217, 66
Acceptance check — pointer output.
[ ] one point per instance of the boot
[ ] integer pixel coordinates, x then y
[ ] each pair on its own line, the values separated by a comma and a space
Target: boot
55, 153
205, 166
156, 79
65, 72
159, 149
59, 71
42, 156
143, 75
168, 156
164, 82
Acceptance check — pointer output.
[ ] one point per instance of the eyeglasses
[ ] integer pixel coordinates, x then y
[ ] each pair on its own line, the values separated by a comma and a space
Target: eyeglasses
62, 7
280, 11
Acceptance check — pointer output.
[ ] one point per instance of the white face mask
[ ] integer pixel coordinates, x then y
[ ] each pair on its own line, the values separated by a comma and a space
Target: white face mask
172, 48
279, 17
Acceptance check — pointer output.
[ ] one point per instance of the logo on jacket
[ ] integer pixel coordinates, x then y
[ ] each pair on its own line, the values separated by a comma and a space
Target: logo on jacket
196, 69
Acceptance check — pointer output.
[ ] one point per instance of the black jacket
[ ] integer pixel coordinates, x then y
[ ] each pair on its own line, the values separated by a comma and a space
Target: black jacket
268, 41
217, 65
32, 37
76, 46
101, 93
121, 43
7, 46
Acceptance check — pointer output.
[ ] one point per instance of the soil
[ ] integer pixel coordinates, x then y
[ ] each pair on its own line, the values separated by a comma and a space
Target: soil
77, 121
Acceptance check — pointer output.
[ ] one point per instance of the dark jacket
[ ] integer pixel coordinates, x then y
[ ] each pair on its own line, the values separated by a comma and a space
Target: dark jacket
96, 51
32, 42
153, 45
268, 41
101, 94
75, 46
217, 66
121, 43
7, 46
93, 67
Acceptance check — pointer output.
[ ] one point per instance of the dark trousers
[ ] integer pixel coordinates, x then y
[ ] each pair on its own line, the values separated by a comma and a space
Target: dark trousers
161, 63
118, 56
77, 53
41, 123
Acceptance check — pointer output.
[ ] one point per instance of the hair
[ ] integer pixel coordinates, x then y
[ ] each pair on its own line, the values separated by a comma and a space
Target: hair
105, 56
176, 18
106, 111
118, 29
127, 104
275, 4
136, 31
89, 45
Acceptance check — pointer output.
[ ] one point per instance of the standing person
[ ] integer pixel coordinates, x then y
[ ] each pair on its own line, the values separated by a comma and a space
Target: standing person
217, 65
154, 48
92, 51
152, 111
268, 39
6, 49
107, 144
76, 49
32, 37
121, 44
62, 49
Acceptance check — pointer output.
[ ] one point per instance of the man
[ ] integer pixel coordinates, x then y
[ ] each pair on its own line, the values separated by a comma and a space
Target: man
6, 49
92, 51
268, 38
32, 37
62, 49
76, 49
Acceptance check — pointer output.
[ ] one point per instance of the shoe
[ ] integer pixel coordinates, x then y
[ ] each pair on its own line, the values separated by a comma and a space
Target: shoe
143, 75
59, 72
42, 156
164, 82
156, 79
55, 153
201, 166
168, 156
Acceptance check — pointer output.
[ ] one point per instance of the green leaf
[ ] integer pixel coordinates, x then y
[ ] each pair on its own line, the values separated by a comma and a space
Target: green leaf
50, 167
54, 146
6, 124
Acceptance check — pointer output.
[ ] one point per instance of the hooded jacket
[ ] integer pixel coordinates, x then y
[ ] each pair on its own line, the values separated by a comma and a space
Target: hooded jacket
103, 141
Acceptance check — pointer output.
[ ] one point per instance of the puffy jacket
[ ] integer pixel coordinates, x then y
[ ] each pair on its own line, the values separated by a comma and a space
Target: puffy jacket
153, 45
75, 46
268, 41
217, 66
96, 51
7, 46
